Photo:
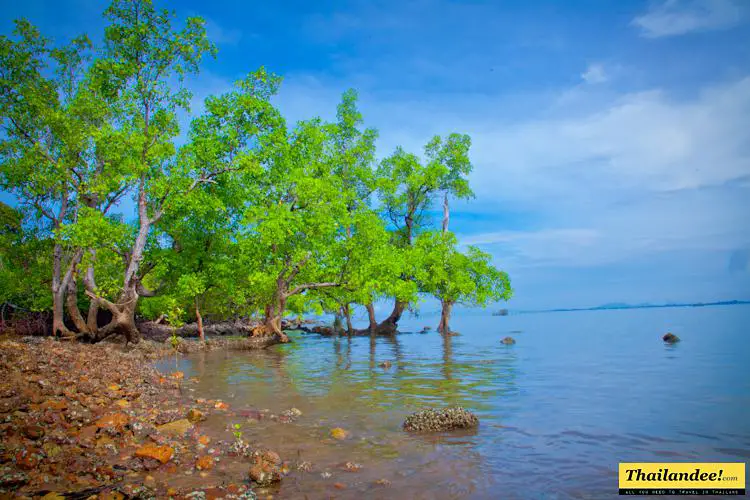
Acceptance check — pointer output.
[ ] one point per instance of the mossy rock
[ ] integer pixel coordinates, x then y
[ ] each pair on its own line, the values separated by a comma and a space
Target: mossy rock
435, 420
508, 341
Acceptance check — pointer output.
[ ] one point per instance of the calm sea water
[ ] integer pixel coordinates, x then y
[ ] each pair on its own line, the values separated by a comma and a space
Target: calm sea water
578, 393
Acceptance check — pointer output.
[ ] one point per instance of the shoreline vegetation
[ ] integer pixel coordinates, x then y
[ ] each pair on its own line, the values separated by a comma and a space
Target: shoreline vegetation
129, 207
137, 223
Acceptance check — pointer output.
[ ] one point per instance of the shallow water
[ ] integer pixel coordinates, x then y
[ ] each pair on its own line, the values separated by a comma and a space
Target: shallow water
578, 393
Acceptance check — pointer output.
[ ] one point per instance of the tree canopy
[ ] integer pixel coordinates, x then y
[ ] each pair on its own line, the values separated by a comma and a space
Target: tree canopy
117, 211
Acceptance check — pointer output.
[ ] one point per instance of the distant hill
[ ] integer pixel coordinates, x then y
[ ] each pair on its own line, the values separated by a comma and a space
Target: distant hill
618, 305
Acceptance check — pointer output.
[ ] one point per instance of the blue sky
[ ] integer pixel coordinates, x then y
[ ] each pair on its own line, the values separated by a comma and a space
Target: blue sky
611, 139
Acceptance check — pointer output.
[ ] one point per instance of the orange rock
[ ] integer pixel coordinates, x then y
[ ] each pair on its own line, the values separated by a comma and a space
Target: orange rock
26, 459
162, 380
113, 420
339, 486
160, 453
339, 433
54, 404
204, 463
113, 387
221, 405
204, 440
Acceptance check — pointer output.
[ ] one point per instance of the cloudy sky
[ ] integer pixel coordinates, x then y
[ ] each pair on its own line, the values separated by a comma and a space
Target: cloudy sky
611, 139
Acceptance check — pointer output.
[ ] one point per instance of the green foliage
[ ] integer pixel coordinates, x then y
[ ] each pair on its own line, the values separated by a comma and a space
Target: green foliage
237, 432
458, 278
249, 215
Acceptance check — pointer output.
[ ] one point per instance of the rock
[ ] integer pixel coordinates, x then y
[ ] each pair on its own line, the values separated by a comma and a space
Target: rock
176, 428
339, 433
161, 453
265, 468
352, 467
113, 420
206, 462
323, 330
670, 338
195, 415
426, 329
508, 341
432, 420
385, 364
33, 431
290, 415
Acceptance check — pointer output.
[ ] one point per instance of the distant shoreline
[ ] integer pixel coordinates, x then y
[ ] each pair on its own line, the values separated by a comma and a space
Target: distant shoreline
609, 307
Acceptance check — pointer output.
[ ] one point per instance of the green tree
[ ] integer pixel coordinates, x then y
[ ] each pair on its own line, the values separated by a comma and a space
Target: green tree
408, 187
143, 65
458, 278
58, 152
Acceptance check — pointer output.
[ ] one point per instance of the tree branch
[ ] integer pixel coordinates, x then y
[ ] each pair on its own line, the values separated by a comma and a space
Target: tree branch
309, 286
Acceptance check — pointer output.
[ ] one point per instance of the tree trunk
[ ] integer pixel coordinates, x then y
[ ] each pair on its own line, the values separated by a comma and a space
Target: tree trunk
72, 306
58, 315
445, 317
199, 319
348, 316
337, 328
371, 316
273, 315
390, 324
60, 286
89, 283
446, 213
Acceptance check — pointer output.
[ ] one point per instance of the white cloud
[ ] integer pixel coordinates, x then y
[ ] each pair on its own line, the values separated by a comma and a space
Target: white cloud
608, 178
678, 17
221, 35
594, 74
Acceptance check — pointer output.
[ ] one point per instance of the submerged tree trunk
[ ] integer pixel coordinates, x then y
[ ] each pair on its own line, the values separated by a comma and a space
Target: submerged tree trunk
337, 328
390, 324
371, 317
348, 315
199, 320
445, 317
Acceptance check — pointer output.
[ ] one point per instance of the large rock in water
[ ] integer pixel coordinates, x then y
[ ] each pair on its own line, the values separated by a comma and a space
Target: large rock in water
670, 338
265, 468
433, 420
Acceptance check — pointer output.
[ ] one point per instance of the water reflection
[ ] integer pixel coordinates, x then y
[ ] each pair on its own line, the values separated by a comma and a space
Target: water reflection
557, 409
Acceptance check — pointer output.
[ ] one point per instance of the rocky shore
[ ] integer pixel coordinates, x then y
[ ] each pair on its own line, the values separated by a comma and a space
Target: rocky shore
97, 421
